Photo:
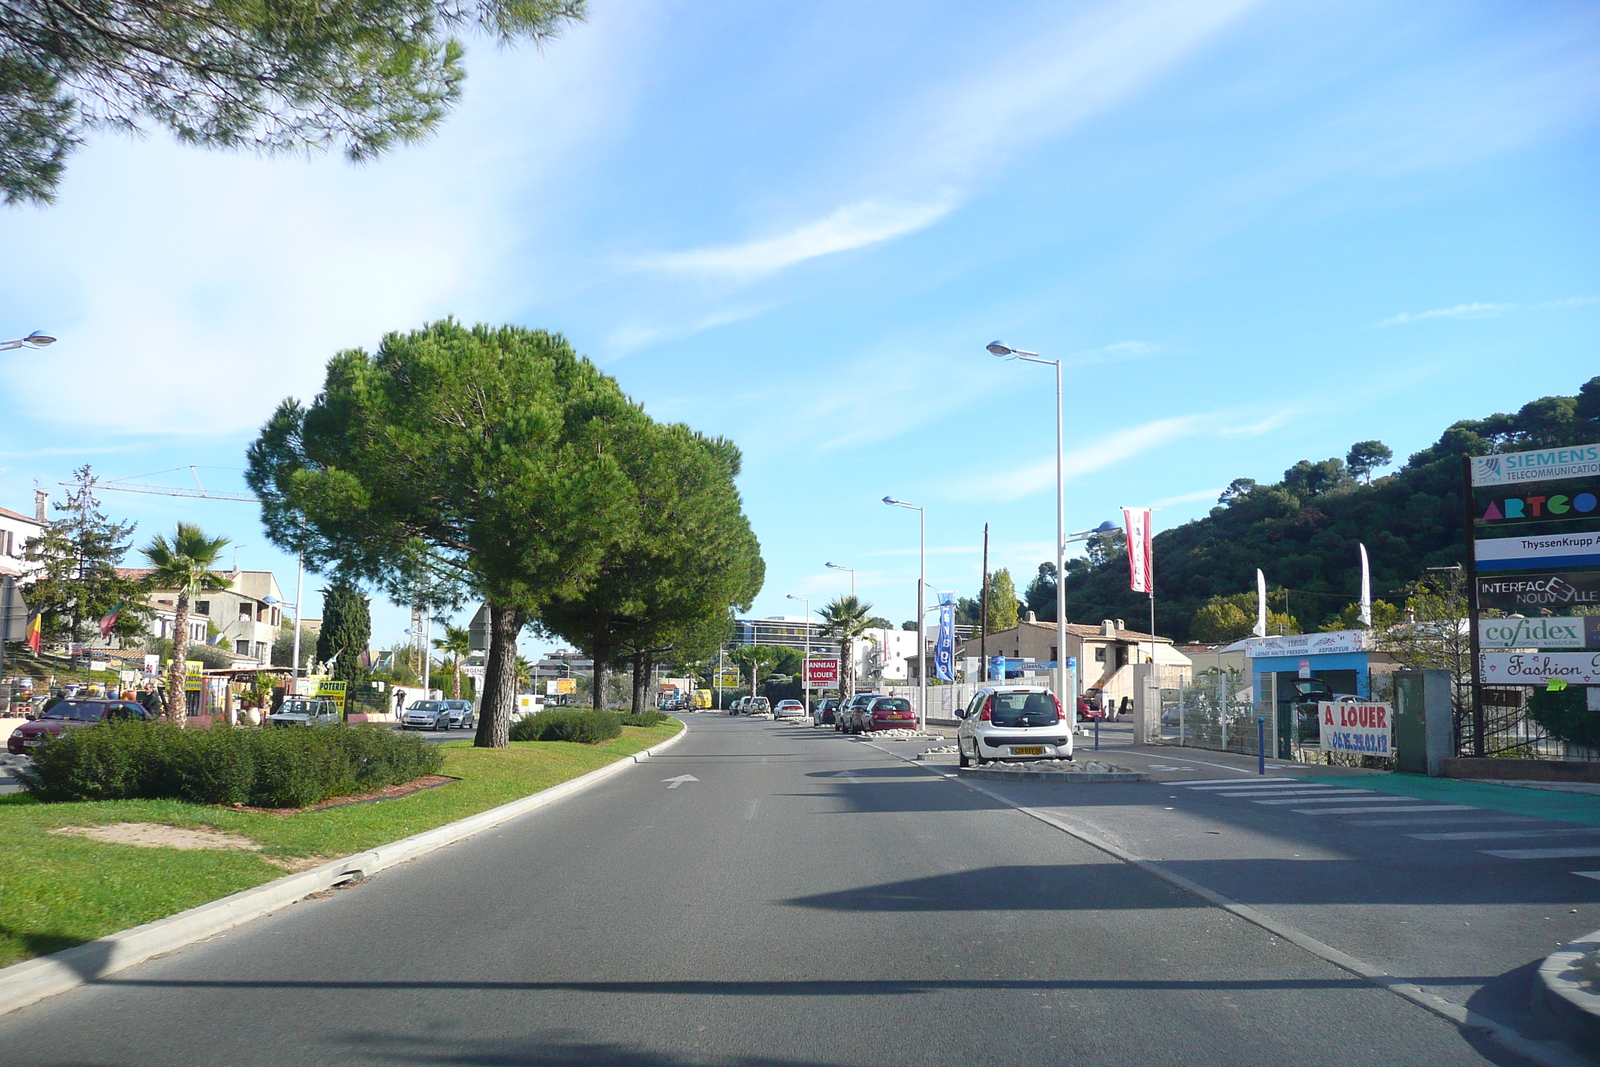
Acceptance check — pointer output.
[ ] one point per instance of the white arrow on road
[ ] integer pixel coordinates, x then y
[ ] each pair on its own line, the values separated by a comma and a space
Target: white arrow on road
676, 782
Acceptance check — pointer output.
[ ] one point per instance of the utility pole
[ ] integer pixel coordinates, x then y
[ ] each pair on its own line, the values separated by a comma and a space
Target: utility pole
983, 608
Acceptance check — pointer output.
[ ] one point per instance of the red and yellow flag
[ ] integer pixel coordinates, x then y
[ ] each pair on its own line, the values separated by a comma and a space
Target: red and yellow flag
34, 634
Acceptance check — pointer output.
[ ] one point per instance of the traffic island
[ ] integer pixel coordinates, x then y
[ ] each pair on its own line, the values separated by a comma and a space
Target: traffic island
1067, 772
1568, 992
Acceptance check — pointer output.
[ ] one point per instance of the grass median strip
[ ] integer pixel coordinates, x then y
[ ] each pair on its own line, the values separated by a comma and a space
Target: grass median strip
58, 890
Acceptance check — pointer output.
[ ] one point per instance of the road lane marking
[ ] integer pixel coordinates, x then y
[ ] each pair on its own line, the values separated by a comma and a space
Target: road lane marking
1389, 809
750, 812
1478, 819
1490, 835
1545, 1053
1328, 798
1294, 793
674, 783
1541, 853
1265, 783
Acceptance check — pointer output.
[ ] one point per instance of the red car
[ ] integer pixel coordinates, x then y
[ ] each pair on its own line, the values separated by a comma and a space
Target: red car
887, 713
1089, 710
70, 714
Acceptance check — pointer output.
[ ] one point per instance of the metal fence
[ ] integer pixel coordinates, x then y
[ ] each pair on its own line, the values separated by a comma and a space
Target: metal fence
1219, 712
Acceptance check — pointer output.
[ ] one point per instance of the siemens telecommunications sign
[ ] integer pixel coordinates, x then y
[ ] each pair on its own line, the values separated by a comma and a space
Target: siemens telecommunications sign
1540, 465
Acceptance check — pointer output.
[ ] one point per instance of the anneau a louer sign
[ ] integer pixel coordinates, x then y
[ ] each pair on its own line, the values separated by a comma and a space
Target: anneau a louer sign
1535, 668
1542, 465
1583, 632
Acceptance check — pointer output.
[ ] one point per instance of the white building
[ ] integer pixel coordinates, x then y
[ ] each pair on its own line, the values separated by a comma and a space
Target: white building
247, 622
16, 530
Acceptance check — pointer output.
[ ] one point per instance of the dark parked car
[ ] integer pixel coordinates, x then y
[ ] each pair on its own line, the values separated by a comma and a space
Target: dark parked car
71, 714
845, 720
825, 712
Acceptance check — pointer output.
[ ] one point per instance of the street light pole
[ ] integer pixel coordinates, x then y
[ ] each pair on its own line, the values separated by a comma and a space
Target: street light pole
922, 582
36, 339
1068, 700
805, 664
852, 571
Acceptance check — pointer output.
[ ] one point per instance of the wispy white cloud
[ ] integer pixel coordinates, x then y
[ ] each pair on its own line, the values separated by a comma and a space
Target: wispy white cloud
1113, 449
1458, 311
966, 131
1187, 498
628, 339
1260, 426
852, 226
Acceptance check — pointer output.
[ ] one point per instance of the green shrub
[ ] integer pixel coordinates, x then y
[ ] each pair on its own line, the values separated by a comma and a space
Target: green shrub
588, 727
275, 767
648, 717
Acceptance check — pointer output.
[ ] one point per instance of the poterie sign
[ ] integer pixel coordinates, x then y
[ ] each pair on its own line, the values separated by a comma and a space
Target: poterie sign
1364, 729
1536, 668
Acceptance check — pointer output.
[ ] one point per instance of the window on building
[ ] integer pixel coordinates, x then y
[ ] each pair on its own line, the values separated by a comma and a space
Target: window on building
1100, 654
6, 542
1122, 656
242, 647
202, 607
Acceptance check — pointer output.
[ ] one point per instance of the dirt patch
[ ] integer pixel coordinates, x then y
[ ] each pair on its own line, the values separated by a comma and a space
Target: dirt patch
388, 792
157, 835
296, 864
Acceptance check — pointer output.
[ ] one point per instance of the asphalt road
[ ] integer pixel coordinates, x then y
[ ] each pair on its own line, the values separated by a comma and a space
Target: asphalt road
807, 900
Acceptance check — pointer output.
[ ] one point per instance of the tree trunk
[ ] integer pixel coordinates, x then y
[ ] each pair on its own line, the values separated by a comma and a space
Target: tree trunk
499, 678
455, 677
602, 657
177, 695
847, 670
641, 680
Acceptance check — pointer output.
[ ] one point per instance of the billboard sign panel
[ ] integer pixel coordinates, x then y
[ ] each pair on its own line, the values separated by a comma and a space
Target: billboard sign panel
1365, 729
1547, 589
1575, 632
822, 674
1538, 552
1536, 668
1307, 644
1547, 464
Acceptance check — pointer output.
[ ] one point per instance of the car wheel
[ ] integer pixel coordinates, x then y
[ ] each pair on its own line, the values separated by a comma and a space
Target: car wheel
977, 753
962, 755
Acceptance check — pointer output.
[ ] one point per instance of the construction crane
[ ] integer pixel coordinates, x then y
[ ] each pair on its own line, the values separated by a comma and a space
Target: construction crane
200, 492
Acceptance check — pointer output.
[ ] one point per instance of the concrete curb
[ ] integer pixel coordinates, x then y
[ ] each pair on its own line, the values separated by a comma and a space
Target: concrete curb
1024, 774
1561, 994
33, 980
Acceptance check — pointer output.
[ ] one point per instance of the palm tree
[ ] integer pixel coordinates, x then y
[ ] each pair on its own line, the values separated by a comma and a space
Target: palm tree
523, 672
184, 564
457, 644
846, 618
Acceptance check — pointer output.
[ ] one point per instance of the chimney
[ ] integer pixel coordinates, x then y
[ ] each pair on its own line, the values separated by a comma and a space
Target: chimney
1032, 617
1108, 628
41, 506
1121, 625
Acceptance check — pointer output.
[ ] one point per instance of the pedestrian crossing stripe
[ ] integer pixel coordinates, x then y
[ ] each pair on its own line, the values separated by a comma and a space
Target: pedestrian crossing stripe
1389, 808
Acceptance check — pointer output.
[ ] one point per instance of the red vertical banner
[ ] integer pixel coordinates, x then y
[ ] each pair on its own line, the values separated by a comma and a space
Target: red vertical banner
1141, 578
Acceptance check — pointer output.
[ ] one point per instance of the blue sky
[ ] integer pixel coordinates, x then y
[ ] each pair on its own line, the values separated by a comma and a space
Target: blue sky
1254, 232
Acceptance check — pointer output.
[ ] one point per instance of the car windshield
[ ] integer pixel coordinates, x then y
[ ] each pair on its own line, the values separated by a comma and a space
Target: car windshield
77, 710
297, 707
1023, 709
892, 704
427, 705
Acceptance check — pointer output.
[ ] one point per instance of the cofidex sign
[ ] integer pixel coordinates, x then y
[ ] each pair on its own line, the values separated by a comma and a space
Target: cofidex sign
1575, 632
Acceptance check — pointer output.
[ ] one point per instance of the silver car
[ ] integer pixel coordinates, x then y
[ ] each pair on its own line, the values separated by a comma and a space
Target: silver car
1012, 722
461, 714
426, 715
304, 711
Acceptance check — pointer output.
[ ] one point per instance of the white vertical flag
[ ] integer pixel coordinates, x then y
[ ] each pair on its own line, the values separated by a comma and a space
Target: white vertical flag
1261, 605
1366, 588
1140, 576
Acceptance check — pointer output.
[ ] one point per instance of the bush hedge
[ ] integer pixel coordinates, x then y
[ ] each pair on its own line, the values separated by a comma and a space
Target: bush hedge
589, 727
284, 767
648, 717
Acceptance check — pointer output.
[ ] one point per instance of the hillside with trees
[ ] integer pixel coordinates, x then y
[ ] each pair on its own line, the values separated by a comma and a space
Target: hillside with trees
1302, 530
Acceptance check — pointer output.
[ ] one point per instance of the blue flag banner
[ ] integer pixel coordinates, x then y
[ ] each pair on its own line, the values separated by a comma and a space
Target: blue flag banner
944, 650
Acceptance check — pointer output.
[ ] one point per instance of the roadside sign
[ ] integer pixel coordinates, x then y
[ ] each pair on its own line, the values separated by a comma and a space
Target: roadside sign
192, 674
328, 689
822, 674
1305, 668
1364, 729
473, 671
566, 686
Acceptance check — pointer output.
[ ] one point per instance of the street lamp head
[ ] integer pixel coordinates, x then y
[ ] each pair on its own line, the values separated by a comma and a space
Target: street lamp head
998, 349
38, 339
1106, 527
890, 500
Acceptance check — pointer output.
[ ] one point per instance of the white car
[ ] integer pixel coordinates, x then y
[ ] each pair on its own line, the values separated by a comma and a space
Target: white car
789, 709
1013, 722
304, 711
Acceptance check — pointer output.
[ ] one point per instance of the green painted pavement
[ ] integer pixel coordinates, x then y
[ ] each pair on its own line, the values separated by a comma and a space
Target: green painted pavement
1512, 800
